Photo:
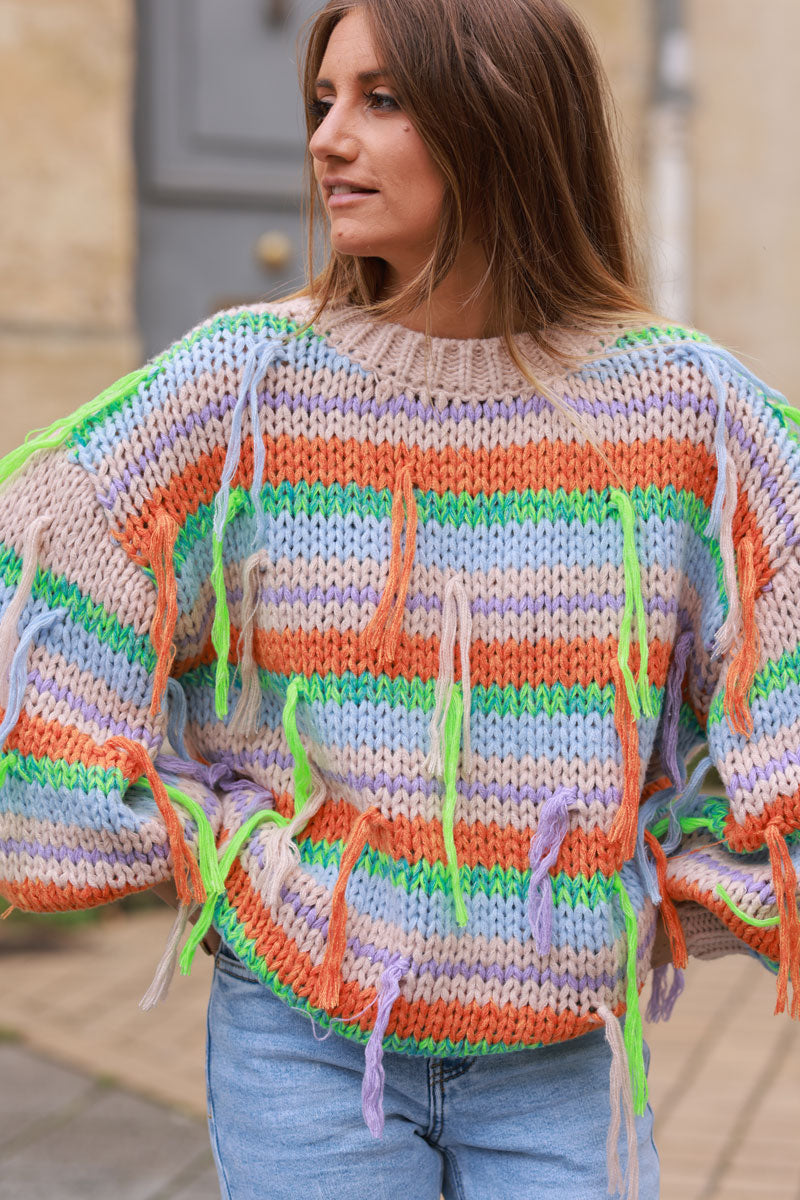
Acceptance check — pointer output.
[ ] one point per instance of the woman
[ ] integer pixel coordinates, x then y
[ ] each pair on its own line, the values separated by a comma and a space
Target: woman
468, 428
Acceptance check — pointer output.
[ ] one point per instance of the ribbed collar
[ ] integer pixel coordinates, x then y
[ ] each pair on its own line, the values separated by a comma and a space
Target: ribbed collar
457, 368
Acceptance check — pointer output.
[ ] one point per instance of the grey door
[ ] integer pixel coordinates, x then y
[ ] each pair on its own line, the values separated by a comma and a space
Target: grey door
220, 147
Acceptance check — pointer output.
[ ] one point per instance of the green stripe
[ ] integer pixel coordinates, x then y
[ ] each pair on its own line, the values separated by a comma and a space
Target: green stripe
56, 591
656, 334
416, 694
461, 511
58, 774
433, 877
774, 677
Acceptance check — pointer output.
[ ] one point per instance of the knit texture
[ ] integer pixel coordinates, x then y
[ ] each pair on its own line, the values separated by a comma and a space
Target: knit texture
429, 662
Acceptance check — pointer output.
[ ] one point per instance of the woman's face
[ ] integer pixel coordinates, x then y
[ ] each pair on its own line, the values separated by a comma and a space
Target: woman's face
365, 138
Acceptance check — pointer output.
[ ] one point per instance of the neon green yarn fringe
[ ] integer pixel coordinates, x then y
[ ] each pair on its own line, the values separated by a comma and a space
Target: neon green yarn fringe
302, 771
634, 1037
452, 745
638, 694
758, 922
234, 846
57, 433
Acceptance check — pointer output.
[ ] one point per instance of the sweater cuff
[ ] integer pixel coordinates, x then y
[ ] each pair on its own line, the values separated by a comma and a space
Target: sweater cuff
706, 936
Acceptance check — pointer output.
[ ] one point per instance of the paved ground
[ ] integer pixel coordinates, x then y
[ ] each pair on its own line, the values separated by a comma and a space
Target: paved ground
89, 1080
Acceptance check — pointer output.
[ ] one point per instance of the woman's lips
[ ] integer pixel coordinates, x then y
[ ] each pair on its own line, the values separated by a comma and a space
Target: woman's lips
348, 198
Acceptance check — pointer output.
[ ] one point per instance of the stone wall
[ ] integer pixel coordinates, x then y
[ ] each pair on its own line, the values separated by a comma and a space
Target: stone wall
746, 180
67, 207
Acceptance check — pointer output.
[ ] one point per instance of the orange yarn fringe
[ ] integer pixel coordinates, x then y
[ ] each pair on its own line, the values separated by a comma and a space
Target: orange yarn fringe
625, 825
162, 628
742, 670
330, 973
672, 923
185, 867
383, 641
785, 883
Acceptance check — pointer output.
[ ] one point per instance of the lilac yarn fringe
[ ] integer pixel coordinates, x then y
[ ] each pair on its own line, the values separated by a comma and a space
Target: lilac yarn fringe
545, 845
372, 1086
662, 998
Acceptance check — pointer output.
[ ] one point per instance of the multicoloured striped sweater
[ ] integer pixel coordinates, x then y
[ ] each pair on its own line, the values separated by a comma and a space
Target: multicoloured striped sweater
399, 671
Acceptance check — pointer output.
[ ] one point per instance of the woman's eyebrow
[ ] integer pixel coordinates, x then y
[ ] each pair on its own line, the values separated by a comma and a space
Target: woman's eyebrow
362, 77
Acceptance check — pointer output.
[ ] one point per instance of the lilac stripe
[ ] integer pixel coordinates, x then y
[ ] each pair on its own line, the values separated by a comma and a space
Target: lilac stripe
453, 969
762, 887
36, 849
90, 712
789, 758
382, 781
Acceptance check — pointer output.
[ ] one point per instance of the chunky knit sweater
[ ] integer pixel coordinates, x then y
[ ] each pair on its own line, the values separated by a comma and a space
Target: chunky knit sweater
397, 665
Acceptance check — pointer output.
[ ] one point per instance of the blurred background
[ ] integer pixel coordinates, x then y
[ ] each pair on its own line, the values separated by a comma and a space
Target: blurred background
151, 174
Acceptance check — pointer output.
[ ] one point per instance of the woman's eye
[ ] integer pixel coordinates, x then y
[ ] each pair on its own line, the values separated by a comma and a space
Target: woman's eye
381, 101
318, 109
382, 96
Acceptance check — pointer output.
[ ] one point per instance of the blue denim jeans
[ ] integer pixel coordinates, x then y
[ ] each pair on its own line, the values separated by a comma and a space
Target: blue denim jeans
285, 1116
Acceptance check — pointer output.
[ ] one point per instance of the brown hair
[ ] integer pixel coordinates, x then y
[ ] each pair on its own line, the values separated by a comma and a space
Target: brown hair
515, 109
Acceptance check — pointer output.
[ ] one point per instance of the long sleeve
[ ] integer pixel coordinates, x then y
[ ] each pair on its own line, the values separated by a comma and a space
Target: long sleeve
77, 669
740, 851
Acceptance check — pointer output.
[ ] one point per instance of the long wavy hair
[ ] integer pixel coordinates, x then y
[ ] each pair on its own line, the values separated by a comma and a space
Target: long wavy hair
514, 107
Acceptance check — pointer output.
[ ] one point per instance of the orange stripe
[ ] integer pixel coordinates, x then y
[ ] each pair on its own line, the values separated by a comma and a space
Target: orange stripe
51, 739
474, 1022
536, 465
477, 844
783, 813
31, 896
581, 661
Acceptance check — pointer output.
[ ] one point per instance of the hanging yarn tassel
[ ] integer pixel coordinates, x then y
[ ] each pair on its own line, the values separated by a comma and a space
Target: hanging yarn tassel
368, 825
726, 634
662, 998
784, 880
169, 959
18, 672
675, 769
710, 365
374, 1075
248, 708
685, 803
382, 642
621, 1102
453, 725
634, 1040
9, 637
162, 627
302, 769
625, 824
256, 363
742, 670
669, 912
455, 612
188, 879
176, 718
544, 850
644, 861
639, 691
281, 852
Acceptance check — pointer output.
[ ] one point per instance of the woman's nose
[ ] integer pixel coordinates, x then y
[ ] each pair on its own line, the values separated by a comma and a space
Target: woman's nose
334, 136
